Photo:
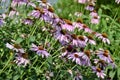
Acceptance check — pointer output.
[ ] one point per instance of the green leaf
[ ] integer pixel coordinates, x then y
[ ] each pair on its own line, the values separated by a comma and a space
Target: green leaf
100, 11
50, 59
57, 66
106, 7
112, 74
32, 38
16, 77
116, 75
19, 40
118, 72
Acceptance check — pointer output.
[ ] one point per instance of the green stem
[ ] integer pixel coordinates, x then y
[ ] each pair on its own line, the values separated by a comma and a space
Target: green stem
35, 60
34, 29
6, 64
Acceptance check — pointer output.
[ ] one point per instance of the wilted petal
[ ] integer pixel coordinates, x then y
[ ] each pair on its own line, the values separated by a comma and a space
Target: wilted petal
9, 46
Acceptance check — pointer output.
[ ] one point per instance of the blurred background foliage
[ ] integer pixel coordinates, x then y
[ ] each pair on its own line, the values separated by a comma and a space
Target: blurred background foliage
108, 7
4, 6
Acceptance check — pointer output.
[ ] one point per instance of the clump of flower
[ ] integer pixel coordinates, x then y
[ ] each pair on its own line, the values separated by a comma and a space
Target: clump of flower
90, 7
67, 25
94, 17
22, 59
62, 36
104, 55
95, 20
90, 40
100, 73
75, 56
63, 31
28, 21
15, 47
103, 37
40, 50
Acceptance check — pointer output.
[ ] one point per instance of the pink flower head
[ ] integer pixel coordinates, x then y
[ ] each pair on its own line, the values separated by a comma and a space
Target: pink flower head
75, 41
67, 25
81, 41
104, 55
90, 40
95, 20
68, 50
78, 24
104, 37
48, 15
75, 56
100, 63
28, 21
37, 12
85, 58
87, 29
56, 21
100, 73
62, 35
22, 59
93, 13
46, 18
15, 47
90, 7
40, 50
